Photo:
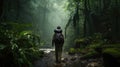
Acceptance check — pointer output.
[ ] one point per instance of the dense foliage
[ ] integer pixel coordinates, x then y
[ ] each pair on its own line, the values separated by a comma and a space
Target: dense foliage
18, 48
100, 16
92, 30
97, 47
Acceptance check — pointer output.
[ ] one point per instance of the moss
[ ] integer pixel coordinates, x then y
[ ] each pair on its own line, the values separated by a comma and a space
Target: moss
92, 54
82, 42
72, 51
111, 46
115, 52
111, 57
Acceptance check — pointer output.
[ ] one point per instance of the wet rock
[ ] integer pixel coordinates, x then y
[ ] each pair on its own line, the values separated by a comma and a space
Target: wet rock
92, 60
58, 65
84, 61
64, 60
93, 64
73, 58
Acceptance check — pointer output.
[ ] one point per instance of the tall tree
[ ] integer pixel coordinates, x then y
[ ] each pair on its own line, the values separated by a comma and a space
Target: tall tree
1, 7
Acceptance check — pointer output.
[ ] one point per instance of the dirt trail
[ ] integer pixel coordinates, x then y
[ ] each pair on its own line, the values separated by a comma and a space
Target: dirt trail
49, 60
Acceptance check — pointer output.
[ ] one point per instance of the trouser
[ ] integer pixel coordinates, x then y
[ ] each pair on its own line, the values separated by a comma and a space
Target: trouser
58, 52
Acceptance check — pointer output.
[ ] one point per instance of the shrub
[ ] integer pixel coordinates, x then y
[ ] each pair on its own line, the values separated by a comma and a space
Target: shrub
18, 49
72, 51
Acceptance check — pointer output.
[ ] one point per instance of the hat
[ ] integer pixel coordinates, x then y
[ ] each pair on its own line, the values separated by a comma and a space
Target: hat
58, 27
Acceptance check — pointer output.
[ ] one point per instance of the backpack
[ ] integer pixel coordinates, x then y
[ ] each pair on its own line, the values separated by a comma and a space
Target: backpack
59, 37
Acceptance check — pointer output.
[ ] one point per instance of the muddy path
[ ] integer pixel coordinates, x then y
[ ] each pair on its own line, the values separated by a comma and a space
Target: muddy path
67, 60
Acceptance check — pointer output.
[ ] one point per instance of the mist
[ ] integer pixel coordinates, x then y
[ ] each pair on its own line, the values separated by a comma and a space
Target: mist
48, 17
45, 15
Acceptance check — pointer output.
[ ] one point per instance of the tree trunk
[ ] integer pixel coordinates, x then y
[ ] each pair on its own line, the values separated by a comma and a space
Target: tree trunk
1, 7
85, 20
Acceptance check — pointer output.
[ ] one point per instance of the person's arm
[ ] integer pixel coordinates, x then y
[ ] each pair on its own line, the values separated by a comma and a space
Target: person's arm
63, 38
53, 40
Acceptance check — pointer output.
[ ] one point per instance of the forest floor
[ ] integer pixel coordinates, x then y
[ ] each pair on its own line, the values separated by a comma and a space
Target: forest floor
67, 61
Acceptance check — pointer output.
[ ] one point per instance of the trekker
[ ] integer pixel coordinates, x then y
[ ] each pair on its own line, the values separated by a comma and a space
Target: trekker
58, 41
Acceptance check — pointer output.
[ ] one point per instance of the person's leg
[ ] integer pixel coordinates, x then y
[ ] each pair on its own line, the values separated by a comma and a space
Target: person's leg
60, 53
59, 59
56, 53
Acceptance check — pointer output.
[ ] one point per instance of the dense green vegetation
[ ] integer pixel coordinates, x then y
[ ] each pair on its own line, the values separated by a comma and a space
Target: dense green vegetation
101, 29
92, 29
18, 47
100, 16
95, 47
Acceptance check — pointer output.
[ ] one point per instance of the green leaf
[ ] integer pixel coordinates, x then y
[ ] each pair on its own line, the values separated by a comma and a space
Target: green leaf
2, 46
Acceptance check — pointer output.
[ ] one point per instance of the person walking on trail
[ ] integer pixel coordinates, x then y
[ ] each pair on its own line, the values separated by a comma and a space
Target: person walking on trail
58, 41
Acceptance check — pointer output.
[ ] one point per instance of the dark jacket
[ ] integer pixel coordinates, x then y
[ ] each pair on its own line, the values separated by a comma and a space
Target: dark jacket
56, 31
